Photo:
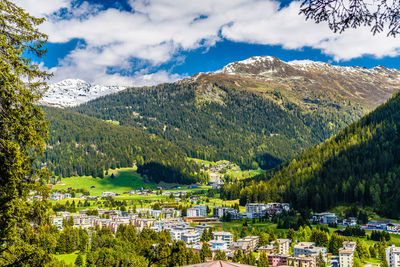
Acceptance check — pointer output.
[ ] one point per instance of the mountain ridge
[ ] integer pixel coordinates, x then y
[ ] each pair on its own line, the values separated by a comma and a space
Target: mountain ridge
73, 92
251, 115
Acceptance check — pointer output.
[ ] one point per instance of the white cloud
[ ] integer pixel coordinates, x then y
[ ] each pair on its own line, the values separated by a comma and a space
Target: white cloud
158, 30
40, 8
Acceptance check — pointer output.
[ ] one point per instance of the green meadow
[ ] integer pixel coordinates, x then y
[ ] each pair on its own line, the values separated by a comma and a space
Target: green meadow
124, 180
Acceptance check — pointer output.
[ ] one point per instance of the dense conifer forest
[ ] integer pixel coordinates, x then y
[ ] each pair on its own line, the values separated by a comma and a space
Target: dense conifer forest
215, 121
81, 145
360, 165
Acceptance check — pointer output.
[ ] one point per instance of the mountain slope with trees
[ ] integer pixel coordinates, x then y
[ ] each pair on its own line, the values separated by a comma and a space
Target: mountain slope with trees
358, 165
81, 145
258, 112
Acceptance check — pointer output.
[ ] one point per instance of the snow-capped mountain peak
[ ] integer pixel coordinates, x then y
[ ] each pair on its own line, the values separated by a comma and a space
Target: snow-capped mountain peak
269, 67
73, 92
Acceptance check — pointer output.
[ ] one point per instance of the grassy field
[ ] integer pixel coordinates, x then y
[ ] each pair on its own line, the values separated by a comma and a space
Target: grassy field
69, 258
234, 172
112, 122
124, 180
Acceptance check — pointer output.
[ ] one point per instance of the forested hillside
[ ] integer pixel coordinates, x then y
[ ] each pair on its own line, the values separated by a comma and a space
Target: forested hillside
359, 165
256, 112
212, 121
81, 145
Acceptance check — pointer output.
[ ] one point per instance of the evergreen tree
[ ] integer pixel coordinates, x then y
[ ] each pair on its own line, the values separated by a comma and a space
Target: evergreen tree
205, 252
291, 234
335, 243
249, 259
22, 133
262, 260
321, 261
238, 256
79, 260
220, 256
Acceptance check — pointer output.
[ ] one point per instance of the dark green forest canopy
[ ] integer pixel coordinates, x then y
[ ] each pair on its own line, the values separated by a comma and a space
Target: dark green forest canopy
213, 121
358, 165
81, 145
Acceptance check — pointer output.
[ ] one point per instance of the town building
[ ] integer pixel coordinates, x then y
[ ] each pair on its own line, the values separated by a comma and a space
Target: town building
346, 257
197, 211
278, 259
255, 210
226, 237
302, 261
393, 256
200, 228
218, 245
308, 249
219, 212
252, 241
192, 237
108, 194
325, 218
58, 222
267, 249
283, 246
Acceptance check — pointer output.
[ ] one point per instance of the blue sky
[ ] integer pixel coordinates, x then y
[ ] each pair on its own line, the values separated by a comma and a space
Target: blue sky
144, 42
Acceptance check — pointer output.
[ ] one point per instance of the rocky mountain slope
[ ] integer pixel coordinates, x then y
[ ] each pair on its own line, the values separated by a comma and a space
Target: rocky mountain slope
73, 92
257, 112
313, 81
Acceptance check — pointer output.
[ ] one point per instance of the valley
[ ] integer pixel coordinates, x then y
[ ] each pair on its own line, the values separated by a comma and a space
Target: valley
258, 131
160, 133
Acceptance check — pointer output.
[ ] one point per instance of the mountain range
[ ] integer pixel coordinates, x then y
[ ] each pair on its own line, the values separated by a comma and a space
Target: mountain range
258, 112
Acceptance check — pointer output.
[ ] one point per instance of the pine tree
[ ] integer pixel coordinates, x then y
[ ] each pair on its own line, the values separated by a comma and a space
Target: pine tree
22, 132
79, 260
249, 259
321, 260
220, 256
238, 256
205, 252
262, 260
291, 234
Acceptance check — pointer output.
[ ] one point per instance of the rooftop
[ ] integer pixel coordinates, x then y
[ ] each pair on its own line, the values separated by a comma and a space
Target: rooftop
218, 264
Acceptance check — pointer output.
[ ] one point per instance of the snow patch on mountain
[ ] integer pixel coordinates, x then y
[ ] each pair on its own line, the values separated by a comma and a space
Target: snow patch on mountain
270, 66
73, 92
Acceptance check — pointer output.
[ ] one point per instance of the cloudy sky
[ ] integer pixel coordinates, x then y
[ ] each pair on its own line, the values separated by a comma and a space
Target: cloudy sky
145, 42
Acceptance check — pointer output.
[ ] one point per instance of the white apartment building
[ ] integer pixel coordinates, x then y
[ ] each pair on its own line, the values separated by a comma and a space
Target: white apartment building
256, 208
346, 257
176, 235
58, 222
283, 246
223, 236
191, 237
198, 211
219, 212
393, 256
308, 249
